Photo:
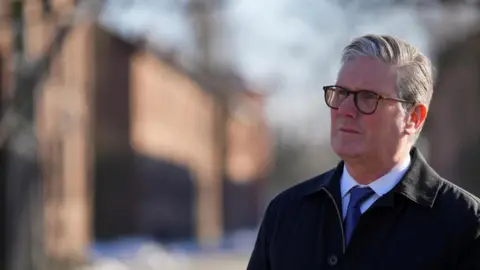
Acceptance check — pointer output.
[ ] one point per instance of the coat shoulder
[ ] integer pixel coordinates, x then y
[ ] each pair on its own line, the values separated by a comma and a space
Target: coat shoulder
298, 191
458, 200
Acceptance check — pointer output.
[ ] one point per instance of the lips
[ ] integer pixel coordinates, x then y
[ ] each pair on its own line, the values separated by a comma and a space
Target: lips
349, 130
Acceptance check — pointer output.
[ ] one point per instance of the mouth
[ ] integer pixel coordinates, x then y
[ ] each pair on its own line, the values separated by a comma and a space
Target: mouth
349, 130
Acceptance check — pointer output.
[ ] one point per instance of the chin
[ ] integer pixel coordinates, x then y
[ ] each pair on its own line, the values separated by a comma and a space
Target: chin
347, 149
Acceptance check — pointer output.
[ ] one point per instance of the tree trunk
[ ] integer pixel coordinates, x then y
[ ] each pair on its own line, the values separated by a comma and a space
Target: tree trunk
209, 193
24, 196
24, 187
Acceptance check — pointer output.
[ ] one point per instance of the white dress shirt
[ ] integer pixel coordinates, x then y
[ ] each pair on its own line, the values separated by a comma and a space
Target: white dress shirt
380, 186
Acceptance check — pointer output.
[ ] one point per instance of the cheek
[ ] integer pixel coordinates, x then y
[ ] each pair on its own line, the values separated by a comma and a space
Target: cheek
333, 117
382, 128
374, 126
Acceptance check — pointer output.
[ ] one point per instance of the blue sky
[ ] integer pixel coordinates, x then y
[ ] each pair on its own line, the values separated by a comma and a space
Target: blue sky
289, 46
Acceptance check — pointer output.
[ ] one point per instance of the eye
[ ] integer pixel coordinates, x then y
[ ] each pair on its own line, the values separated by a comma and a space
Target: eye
368, 95
341, 91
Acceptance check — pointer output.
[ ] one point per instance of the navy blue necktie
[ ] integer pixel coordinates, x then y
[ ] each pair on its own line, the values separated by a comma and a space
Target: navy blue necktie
357, 196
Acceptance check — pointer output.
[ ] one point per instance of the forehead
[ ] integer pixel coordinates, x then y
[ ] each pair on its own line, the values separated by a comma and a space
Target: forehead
364, 73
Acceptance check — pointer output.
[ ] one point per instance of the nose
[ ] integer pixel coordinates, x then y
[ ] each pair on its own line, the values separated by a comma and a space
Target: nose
347, 108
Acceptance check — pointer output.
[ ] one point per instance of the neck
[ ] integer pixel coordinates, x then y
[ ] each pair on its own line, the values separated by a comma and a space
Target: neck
368, 170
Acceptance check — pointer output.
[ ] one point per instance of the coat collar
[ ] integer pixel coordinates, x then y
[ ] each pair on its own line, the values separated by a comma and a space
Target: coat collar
420, 183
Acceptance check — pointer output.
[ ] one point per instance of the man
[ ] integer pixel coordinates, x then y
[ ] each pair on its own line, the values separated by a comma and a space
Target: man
383, 207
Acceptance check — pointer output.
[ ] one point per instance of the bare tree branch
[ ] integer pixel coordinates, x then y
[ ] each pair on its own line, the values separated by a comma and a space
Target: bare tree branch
24, 186
31, 73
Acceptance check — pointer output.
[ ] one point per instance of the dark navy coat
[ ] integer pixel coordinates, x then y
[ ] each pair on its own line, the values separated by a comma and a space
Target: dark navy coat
425, 222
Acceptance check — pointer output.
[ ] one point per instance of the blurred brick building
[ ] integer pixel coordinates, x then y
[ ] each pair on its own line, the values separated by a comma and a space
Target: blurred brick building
127, 143
453, 127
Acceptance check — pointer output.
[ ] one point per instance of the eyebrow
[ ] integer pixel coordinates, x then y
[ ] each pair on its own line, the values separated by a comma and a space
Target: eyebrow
361, 89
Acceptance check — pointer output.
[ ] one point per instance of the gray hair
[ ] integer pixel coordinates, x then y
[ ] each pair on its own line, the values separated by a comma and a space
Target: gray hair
415, 71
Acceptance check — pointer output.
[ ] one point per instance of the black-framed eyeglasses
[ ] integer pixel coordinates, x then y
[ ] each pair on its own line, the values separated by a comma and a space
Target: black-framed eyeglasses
366, 101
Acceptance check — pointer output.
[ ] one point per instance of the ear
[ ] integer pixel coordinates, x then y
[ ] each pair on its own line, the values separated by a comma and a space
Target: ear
416, 118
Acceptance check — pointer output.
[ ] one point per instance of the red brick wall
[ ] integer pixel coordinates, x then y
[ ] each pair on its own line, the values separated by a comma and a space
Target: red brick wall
105, 114
452, 126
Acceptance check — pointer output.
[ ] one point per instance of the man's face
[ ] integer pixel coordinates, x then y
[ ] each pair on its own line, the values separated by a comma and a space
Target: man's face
358, 135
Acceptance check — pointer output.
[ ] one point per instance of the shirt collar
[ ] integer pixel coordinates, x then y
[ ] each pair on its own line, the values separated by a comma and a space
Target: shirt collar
381, 185
420, 183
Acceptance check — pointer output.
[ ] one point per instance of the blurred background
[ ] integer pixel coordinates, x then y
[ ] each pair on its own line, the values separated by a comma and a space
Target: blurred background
142, 134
